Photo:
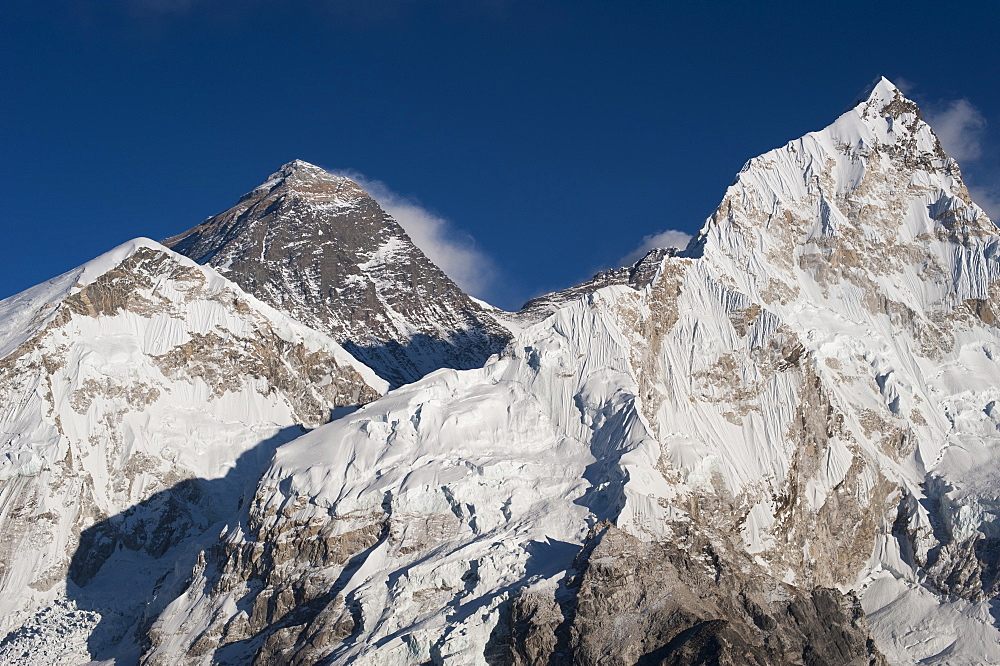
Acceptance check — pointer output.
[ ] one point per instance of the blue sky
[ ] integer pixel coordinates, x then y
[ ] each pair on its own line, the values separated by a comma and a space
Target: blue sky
535, 142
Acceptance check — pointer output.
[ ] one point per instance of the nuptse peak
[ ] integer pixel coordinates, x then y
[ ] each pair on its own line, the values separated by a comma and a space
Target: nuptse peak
777, 446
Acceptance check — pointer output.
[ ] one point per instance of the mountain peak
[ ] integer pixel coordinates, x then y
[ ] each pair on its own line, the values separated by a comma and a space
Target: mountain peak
310, 182
302, 170
300, 164
873, 184
883, 100
879, 88
317, 246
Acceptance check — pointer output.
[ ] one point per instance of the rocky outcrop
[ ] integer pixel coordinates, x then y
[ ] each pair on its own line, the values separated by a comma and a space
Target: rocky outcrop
638, 276
680, 603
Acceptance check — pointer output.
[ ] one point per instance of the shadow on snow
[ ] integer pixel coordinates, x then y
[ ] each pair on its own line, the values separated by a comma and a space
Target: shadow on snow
129, 567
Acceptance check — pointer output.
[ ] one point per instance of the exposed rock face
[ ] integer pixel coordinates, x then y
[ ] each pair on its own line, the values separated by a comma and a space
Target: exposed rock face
319, 248
638, 276
633, 602
290, 575
147, 386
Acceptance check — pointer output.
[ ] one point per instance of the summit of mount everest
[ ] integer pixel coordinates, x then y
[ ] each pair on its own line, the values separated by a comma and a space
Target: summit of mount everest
317, 246
285, 436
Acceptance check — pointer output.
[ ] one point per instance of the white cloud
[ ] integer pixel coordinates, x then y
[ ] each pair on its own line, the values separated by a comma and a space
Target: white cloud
959, 125
668, 238
905, 85
988, 199
453, 250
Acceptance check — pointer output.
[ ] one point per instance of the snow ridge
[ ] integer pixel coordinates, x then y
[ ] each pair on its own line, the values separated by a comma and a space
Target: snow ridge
790, 388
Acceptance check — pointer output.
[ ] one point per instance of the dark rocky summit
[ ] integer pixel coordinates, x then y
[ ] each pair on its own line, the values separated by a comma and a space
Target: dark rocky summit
637, 276
316, 246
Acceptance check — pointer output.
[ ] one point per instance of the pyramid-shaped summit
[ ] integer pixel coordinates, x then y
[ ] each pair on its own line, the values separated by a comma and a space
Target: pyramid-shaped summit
887, 112
879, 83
853, 203
318, 247
313, 183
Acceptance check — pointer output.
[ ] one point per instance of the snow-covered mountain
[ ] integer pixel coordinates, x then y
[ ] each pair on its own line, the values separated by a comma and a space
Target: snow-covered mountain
778, 446
797, 410
141, 394
318, 247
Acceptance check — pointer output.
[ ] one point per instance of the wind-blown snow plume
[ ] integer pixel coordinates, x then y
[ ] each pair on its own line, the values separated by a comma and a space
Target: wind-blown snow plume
959, 126
453, 250
988, 199
668, 238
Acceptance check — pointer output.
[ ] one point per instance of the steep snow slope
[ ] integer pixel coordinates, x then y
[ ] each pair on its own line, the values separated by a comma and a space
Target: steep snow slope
318, 247
863, 238
132, 383
710, 464
801, 403
396, 535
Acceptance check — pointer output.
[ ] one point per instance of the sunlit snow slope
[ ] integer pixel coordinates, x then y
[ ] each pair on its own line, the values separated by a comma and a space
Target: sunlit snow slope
133, 376
798, 408
776, 447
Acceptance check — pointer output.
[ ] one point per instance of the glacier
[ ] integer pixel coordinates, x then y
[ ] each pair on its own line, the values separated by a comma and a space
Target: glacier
778, 445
